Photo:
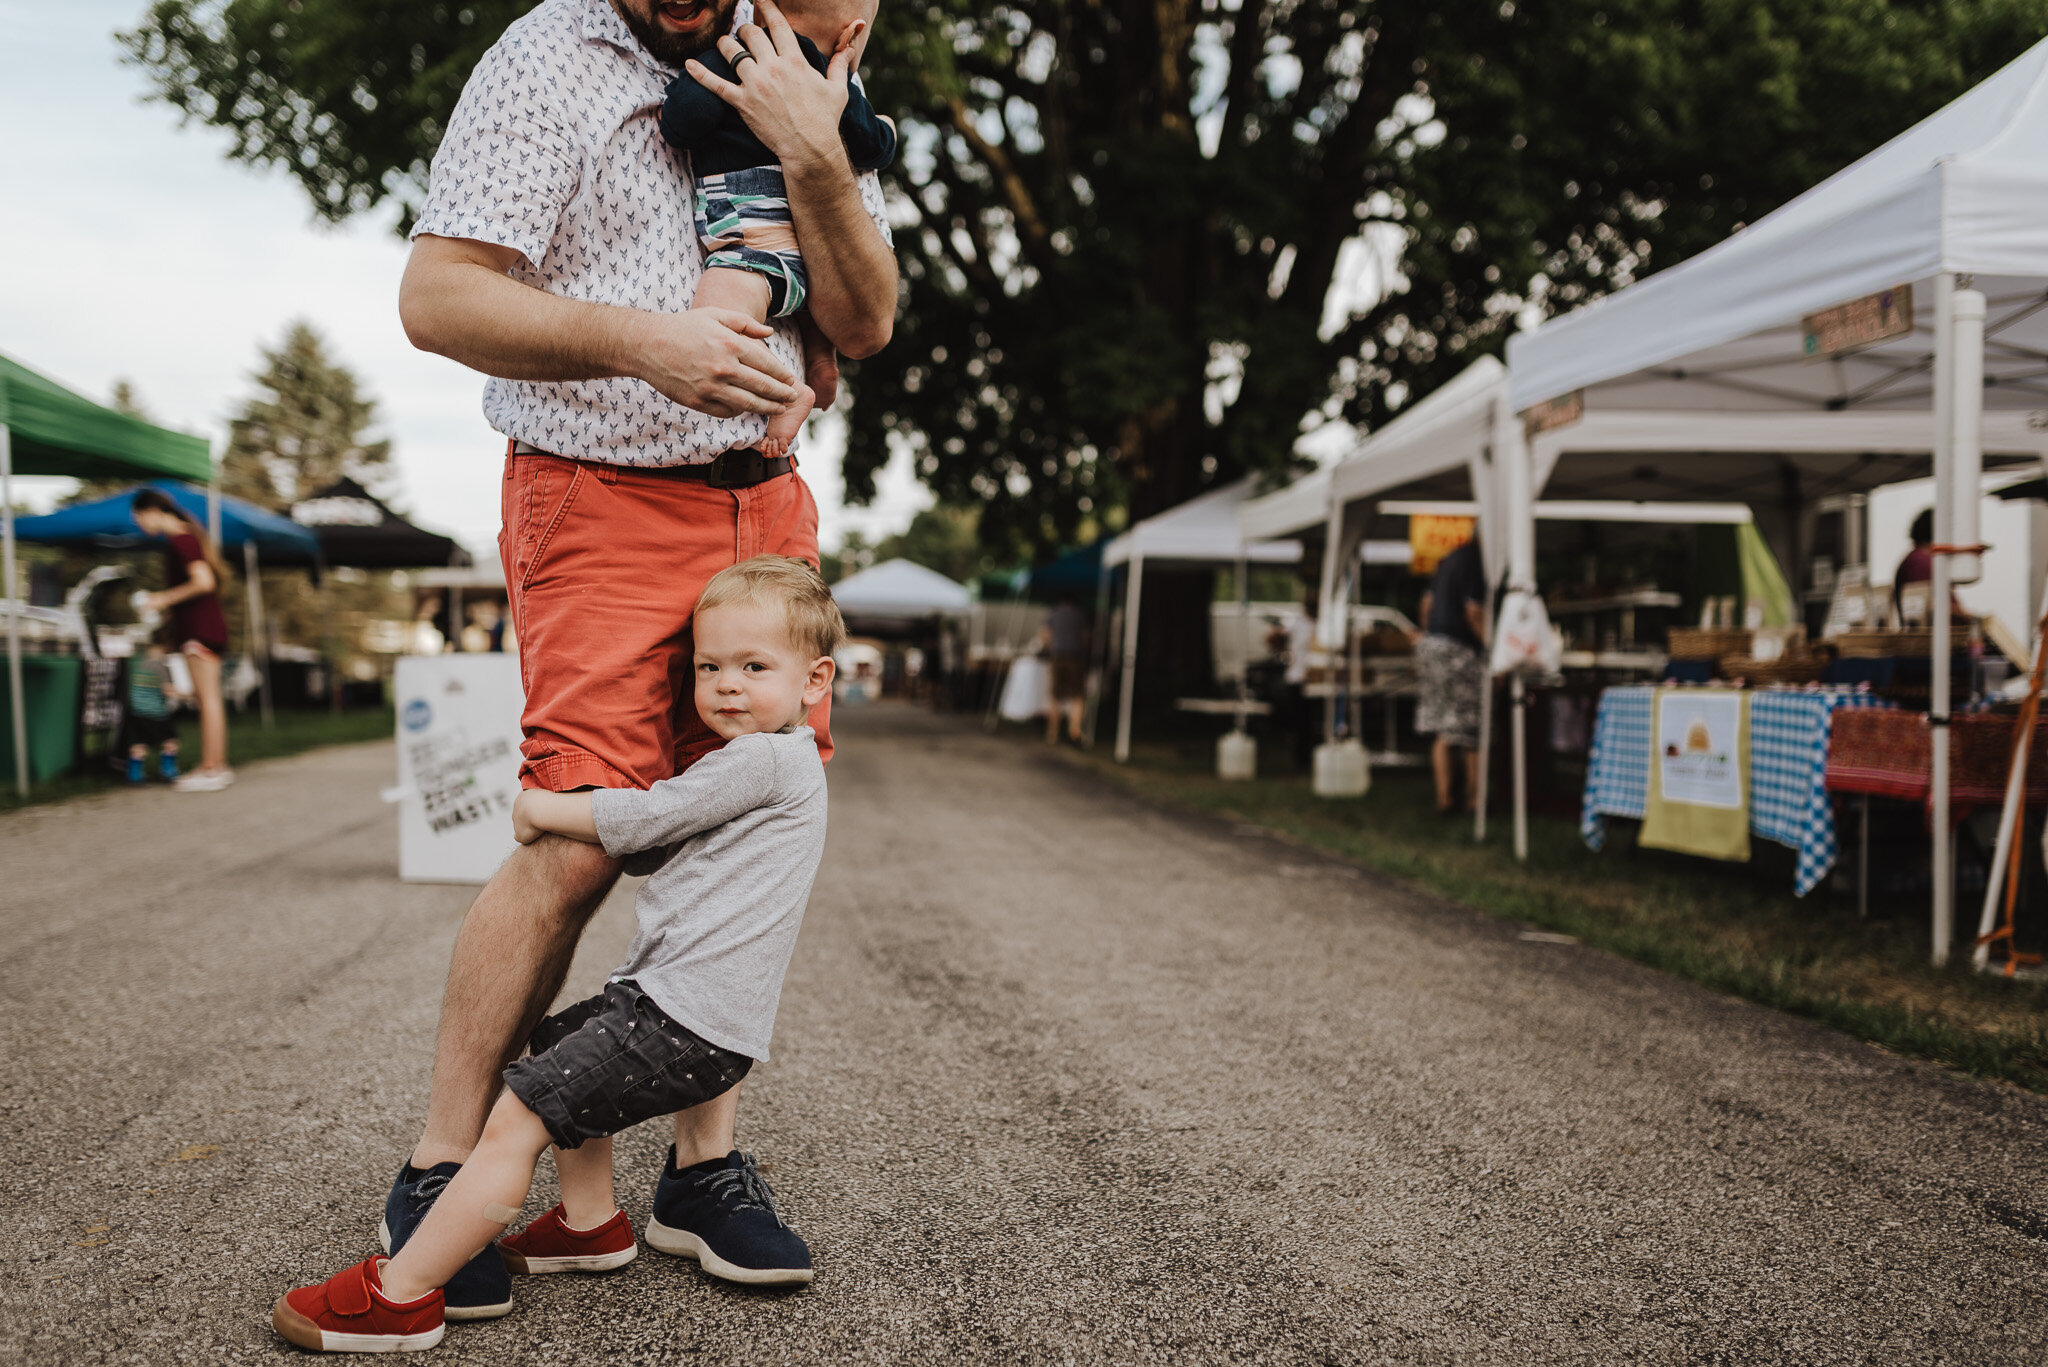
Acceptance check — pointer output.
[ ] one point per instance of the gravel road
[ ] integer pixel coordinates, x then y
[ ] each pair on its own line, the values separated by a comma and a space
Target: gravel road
1058, 1078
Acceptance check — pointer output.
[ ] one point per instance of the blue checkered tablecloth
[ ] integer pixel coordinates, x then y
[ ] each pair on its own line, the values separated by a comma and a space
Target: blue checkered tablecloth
1788, 760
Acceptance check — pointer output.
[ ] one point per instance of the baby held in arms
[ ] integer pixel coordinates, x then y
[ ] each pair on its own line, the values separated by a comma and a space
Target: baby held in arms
753, 261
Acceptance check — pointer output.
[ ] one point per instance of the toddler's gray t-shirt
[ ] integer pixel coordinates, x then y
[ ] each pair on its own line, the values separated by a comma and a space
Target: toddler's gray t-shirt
718, 920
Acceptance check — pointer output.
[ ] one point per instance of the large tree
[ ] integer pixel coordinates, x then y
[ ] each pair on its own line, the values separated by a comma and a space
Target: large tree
307, 425
1146, 241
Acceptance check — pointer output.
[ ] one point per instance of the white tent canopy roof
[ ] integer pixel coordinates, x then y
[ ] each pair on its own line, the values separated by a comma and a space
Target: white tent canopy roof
1965, 190
1446, 431
1287, 511
898, 588
1203, 530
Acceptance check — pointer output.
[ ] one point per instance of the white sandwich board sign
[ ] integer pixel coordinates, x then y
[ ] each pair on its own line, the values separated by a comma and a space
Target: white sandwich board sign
458, 765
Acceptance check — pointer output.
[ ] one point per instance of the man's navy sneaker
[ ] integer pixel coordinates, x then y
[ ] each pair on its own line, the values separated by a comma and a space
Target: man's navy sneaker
722, 1213
482, 1290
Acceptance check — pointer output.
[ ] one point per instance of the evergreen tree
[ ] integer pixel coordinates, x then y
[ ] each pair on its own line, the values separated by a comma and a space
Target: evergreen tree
308, 427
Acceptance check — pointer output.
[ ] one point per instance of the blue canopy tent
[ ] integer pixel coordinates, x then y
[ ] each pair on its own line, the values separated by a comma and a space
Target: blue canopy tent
109, 524
260, 535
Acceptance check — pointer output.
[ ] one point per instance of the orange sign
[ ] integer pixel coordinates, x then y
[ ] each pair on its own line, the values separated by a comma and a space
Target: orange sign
1431, 538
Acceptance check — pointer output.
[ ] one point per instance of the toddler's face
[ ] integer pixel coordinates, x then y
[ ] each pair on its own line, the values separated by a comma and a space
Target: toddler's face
751, 676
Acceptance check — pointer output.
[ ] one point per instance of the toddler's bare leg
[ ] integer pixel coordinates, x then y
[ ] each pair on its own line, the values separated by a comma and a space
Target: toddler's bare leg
585, 1173
483, 1199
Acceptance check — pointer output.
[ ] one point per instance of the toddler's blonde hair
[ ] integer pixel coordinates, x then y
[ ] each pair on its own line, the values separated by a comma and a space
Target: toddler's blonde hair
814, 621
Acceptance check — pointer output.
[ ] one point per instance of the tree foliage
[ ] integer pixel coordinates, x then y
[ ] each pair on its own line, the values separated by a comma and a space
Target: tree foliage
308, 426
349, 97
1122, 221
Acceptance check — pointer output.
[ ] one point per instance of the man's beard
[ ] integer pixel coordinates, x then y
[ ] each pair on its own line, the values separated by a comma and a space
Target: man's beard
673, 49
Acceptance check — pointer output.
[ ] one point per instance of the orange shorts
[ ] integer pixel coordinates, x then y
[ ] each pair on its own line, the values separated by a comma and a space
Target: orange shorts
603, 565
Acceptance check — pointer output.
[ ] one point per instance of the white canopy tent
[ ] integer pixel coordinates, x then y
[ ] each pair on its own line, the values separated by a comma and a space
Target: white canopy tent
898, 590
1941, 228
1201, 531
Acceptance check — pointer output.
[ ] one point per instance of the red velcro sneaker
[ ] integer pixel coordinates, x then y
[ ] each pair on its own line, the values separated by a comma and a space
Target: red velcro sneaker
349, 1313
550, 1245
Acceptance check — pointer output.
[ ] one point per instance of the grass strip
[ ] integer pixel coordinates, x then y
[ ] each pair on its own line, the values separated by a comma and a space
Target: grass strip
248, 741
1733, 928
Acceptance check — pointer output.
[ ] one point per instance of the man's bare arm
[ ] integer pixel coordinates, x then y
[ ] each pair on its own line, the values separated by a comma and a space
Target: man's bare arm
795, 113
457, 300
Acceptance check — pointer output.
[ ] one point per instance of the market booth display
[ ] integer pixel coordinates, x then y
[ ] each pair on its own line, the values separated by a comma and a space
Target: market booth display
1201, 533
46, 429
257, 536
1887, 318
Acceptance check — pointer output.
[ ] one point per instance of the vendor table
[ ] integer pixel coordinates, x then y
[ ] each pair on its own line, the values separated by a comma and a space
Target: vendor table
1788, 762
1891, 754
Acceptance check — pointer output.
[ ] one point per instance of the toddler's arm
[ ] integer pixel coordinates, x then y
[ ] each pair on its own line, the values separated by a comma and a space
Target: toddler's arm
709, 793
536, 813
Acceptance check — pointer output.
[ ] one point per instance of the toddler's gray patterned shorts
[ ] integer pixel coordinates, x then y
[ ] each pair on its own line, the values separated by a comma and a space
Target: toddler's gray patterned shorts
608, 1063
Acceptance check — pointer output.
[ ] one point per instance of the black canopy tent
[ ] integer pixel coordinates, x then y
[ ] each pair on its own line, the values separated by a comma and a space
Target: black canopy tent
356, 529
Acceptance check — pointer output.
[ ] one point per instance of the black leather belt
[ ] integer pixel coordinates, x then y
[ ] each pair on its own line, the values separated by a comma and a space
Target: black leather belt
728, 470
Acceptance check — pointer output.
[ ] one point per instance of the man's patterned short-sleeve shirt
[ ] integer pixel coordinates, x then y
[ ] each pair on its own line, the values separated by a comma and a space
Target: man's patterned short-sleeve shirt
555, 151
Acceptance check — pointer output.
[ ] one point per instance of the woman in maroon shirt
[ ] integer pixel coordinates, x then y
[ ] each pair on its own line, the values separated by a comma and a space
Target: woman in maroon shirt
199, 629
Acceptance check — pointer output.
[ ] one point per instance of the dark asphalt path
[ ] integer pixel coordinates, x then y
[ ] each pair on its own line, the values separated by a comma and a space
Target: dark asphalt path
1058, 1078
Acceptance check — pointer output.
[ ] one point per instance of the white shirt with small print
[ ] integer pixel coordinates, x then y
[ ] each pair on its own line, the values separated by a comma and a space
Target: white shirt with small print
555, 151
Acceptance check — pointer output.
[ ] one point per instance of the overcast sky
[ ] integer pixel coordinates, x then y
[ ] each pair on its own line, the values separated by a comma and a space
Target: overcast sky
130, 248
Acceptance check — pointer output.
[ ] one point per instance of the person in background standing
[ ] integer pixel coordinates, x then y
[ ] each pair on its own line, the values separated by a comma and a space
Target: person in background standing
198, 628
1066, 648
1917, 567
1451, 661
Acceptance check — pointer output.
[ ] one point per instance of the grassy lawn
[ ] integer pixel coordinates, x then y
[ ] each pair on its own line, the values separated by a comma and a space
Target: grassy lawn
248, 741
1737, 929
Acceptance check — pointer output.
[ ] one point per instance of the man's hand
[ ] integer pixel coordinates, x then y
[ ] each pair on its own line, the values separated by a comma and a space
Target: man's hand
792, 109
713, 360
457, 300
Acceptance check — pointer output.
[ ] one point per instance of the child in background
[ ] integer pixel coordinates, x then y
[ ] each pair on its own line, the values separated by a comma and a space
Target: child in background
146, 720
753, 264
680, 1023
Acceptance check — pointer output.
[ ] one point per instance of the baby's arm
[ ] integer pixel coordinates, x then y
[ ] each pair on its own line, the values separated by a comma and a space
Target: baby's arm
870, 137
537, 813
690, 113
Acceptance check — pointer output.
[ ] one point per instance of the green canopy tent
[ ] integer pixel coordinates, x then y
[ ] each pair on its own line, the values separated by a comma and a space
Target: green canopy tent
45, 429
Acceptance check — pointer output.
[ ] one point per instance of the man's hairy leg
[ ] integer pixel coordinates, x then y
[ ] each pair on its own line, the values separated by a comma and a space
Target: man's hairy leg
510, 959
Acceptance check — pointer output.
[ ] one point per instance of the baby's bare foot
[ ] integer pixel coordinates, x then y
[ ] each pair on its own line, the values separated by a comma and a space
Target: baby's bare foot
784, 427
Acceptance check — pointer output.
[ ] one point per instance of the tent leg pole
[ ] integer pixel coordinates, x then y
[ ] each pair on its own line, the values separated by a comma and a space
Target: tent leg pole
1244, 633
1482, 790
17, 706
1943, 911
1517, 735
1132, 588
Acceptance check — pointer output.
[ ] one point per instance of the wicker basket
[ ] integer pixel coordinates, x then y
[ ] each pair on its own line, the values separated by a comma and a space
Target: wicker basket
1709, 643
1787, 668
1882, 645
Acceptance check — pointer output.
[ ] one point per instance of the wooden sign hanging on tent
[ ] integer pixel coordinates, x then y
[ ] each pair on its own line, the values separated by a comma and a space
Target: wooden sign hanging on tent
1857, 324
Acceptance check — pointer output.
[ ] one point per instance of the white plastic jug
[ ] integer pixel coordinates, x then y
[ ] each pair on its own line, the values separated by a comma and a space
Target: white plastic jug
1237, 756
1341, 769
